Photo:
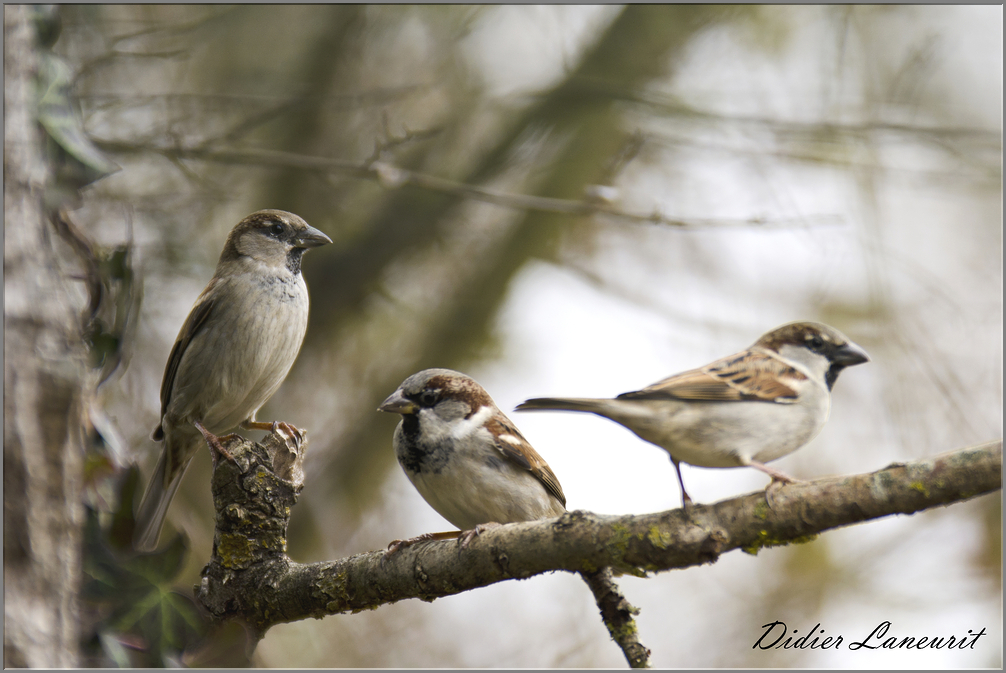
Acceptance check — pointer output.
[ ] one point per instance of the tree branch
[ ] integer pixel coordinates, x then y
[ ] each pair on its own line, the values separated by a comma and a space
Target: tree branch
250, 577
617, 614
394, 177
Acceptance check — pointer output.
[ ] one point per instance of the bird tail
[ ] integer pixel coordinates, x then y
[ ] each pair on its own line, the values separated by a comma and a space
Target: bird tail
154, 506
559, 404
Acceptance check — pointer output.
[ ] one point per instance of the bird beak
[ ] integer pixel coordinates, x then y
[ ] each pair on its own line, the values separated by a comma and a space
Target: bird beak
397, 404
850, 354
311, 238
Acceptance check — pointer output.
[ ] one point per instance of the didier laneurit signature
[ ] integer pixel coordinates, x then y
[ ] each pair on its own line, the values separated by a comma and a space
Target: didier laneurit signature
777, 636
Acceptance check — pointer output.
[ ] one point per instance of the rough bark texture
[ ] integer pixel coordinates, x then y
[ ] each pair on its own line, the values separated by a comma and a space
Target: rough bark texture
43, 374
251, 579
617, 614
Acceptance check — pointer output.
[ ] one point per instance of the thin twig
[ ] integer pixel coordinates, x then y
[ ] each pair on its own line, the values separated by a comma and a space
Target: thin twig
394, 177
617, 614
87, 253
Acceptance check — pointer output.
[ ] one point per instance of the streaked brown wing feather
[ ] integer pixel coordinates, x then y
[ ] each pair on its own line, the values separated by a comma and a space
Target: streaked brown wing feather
525, 456
193, 324
746, 376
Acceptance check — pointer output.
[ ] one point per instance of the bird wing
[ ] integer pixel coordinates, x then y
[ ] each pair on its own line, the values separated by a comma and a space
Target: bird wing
193, 324
750, 375
519, 451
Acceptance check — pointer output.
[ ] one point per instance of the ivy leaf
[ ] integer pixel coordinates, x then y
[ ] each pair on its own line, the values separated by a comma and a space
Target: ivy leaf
140, 615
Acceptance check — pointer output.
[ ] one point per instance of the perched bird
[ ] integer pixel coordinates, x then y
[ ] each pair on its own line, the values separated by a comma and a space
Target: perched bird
466, 458
743, 410
233, 351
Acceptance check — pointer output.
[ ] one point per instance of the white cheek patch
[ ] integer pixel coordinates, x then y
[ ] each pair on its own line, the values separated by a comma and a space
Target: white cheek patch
467, 426
811, 363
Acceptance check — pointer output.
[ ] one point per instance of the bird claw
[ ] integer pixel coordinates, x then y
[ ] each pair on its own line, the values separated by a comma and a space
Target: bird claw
214, 442
281, 428
288, 432
775, 485
393, 548
770, 491
778, 479
397, 545
465, 538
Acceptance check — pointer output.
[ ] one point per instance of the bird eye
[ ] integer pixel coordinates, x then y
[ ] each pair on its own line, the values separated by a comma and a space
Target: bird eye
815, 341
277, 229
428, 398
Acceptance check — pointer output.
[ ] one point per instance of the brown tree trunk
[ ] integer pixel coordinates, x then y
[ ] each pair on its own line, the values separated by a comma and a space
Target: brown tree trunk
43, 391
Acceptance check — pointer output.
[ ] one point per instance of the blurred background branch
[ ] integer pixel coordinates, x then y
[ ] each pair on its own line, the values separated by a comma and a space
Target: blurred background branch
393, 177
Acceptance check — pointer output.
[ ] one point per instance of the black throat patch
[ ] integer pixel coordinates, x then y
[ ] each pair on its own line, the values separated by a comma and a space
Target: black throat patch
418, 456
294, 258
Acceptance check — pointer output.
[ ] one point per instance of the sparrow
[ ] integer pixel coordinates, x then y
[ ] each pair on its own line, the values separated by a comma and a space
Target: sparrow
743, 410
233, 351
466, 458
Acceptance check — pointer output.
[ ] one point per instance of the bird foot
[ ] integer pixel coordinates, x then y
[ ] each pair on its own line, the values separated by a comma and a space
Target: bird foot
398, 545
686, 503
776, 484
285, 430
289, 433
772, 489
778, 479
214, 442
465, 538
282, 428
772, 472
